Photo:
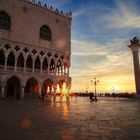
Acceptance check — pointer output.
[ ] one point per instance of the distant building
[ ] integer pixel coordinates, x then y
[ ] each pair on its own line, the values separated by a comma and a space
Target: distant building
35, 48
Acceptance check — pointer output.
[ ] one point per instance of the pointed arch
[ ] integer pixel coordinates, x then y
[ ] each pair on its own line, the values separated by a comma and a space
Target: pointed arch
59, 67
5, 21
13, 87
52, 66
31, 88
11, 59
37, 63
45, 33
29, 62
59, 63
2, 57
47, 86
20, 61
45, 63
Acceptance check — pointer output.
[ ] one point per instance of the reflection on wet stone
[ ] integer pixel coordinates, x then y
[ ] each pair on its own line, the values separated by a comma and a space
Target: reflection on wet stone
70, 120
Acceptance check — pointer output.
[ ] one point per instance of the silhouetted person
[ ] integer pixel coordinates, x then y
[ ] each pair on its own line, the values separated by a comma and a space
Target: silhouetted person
91, 96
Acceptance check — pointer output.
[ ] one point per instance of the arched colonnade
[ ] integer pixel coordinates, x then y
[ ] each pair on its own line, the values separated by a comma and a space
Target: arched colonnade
32, 87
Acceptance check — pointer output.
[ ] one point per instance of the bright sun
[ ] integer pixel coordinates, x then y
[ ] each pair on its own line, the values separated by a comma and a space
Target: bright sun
64, 90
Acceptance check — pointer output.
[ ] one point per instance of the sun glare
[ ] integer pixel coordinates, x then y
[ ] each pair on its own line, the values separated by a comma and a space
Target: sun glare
64, 90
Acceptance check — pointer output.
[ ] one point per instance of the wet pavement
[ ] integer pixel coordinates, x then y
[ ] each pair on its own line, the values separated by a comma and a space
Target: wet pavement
76, 119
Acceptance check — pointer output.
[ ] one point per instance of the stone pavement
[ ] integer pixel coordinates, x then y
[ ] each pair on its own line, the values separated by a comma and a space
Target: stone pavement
76, 119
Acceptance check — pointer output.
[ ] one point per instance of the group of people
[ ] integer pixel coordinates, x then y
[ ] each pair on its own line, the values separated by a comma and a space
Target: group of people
92, 97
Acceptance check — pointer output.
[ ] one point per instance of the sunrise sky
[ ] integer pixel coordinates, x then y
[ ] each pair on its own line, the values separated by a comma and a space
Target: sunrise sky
101, 30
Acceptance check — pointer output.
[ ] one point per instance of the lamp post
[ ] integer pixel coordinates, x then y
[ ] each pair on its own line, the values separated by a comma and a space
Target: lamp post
95, 84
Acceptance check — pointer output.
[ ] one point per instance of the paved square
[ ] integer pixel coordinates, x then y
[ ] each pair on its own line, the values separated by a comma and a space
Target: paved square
76, 119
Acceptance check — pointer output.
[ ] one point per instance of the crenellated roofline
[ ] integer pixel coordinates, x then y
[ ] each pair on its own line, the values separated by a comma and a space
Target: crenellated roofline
50, 8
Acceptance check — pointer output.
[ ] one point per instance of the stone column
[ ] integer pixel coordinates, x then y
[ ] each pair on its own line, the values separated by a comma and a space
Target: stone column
48, 69
33, 67
55, 70
135, 45
55, 88
22, 91
50, 88
46, 92
25, 65
68, 72
15, 69
5, 65
61, 70
136, 70
2, 92
39, 91
41, 67
64, 71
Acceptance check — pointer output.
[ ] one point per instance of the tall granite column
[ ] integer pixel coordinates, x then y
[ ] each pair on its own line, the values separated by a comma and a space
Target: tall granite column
135, 45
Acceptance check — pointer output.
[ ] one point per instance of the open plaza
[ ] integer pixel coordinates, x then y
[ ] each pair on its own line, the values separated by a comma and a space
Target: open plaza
73, 119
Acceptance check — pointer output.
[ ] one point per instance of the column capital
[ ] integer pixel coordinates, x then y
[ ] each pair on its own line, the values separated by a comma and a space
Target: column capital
134, 47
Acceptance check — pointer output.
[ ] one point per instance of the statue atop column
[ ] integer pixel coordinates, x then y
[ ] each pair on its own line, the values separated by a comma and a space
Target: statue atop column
134, 40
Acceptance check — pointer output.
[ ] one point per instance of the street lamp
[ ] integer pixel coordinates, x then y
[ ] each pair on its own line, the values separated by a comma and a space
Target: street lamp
95, 83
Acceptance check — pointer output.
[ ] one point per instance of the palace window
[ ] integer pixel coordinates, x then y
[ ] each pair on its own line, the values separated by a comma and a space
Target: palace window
11, 59
5, 21
45, 64
29, 62
37, 63
20, 61
45, 33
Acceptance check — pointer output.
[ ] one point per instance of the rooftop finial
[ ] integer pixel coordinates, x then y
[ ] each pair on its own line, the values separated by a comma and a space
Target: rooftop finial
45, 5
70, 14
39, 3
51, 8
55, 10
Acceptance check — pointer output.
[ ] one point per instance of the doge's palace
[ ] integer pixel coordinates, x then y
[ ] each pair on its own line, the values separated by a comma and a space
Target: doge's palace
35, 48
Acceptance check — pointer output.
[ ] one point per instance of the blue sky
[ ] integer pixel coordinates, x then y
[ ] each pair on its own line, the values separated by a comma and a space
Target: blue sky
101, 30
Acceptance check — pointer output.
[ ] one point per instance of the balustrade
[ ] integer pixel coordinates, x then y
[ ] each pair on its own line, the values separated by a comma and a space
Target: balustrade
62, 72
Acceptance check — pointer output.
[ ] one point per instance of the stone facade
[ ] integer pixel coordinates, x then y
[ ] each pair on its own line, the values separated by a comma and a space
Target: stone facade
35, 48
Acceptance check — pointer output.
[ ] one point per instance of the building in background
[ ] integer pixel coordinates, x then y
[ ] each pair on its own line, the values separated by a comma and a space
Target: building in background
35, 48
